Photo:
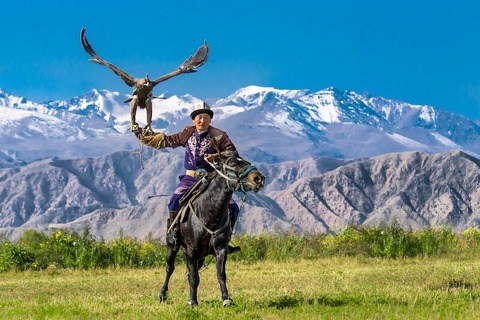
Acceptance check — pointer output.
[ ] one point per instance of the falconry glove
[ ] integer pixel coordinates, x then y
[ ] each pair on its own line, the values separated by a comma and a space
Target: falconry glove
156, 140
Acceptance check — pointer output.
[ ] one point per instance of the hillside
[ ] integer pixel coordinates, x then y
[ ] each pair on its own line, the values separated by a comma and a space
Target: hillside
113, 192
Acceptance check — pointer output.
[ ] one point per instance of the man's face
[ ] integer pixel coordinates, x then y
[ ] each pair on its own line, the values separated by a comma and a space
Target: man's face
202, 121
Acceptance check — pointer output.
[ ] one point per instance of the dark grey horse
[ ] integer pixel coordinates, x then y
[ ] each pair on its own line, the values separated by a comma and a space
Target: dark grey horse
205, 228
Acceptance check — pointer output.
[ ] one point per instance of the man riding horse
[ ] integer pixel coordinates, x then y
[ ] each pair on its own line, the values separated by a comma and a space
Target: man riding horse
199, 140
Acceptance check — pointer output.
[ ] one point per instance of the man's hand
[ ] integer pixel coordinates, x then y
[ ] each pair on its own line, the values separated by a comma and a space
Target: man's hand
211, 158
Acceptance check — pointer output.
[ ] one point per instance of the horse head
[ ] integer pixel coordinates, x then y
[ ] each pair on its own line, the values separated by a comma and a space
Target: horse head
240, 174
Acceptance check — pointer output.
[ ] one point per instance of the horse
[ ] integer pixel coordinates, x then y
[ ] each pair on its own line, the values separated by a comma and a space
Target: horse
205, 227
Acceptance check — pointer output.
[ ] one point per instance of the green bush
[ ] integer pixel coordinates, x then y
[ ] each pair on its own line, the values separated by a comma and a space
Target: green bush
391, 242
254, 248
66, 249
15, 256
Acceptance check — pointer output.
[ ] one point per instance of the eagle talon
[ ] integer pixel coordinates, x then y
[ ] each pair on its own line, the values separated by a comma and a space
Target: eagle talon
134, 127
148, 131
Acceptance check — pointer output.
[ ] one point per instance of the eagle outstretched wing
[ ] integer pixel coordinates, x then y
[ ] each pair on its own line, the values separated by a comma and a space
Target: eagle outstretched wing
129, 80
189, 65
198, 59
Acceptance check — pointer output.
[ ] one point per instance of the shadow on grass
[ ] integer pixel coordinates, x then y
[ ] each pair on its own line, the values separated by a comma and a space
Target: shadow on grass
459, 284
295, 300
454, 285
286, 302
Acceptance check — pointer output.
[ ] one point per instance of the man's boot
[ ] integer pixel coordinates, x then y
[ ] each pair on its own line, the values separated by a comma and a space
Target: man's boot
233, 220
172, 234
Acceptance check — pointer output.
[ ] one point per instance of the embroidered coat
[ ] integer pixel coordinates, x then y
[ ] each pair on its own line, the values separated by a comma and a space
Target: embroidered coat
197, 145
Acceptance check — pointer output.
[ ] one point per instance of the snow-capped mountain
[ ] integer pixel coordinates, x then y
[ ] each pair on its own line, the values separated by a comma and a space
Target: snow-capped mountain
89, 126
290, 125
266, 124
308, 143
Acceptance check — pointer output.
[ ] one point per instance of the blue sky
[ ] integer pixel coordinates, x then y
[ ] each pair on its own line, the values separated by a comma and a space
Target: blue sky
422, 52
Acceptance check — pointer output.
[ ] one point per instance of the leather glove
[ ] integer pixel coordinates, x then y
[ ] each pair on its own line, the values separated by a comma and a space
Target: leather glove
156, 140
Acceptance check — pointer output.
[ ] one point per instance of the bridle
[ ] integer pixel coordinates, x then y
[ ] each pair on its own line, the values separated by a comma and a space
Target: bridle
235, 178
235, 182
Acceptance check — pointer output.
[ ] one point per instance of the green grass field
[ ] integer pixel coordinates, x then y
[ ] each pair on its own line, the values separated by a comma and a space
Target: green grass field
326, 288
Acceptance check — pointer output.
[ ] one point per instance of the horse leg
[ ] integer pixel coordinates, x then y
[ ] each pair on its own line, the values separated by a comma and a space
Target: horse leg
222, 276
193, 280
171, 255
201, 261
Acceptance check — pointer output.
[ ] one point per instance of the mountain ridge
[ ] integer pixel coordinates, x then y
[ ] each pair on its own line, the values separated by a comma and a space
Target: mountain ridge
333, 157
113, 194
263, 122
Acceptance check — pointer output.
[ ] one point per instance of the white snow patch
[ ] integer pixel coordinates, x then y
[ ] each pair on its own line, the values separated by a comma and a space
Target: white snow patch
322, 108
427, 114
445, 141
227, 111
10, 115
407, 142
282, 121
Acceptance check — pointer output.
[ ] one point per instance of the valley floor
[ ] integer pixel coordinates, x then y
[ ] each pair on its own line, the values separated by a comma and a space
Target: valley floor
332, 288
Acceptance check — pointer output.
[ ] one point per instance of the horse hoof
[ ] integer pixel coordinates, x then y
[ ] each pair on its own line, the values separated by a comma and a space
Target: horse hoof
228, 302
162, 297
193, 304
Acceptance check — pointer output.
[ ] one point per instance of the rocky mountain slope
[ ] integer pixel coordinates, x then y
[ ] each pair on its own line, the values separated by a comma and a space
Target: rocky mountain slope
414, 189
113, 193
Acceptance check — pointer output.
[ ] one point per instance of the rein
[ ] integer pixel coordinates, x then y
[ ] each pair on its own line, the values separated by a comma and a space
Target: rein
233, 176
212, 233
